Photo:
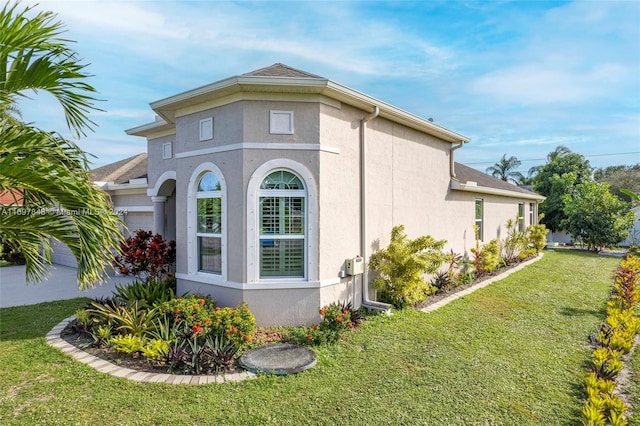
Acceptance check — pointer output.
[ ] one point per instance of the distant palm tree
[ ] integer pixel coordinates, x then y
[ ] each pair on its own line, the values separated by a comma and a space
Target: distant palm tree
505, 170
50, 172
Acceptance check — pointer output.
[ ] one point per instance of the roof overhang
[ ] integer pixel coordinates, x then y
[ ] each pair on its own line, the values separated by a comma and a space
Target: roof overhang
168, 108
473, 187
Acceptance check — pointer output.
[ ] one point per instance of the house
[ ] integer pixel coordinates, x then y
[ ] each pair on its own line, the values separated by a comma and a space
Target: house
634, 232
125, 182
271, 180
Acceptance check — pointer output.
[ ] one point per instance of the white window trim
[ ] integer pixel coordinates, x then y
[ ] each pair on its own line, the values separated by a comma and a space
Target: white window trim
481, 220
272, 123
167, 150
521, 223
253, 217
206, 129
192, 235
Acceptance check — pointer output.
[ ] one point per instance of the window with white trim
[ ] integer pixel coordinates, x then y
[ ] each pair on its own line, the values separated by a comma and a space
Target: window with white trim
479, 218
521, 216
282, 223
532, 213
209, 224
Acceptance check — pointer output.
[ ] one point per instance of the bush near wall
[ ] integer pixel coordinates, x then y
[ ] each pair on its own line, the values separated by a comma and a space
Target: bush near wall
615, 338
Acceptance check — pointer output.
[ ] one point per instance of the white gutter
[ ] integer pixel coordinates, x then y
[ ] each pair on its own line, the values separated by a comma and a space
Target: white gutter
473, 187
366, 301
452, 171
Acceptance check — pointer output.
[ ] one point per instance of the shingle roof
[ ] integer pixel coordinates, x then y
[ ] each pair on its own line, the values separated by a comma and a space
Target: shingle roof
465, 174
122, 171
10, 197
281, 70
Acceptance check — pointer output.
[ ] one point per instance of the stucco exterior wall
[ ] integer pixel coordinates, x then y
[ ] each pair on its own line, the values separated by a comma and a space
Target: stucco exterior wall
156, 165
407, 182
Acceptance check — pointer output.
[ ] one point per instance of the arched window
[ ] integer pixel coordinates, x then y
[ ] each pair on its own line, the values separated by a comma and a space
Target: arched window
282, 224
209, 224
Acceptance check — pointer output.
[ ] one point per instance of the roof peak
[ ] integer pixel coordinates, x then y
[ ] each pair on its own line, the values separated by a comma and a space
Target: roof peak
281, 70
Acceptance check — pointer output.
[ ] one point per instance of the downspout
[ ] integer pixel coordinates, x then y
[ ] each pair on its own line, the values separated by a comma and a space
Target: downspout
452, 170
366, 301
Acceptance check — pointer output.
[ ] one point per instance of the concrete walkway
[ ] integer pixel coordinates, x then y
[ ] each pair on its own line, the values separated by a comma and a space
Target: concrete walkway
61, 284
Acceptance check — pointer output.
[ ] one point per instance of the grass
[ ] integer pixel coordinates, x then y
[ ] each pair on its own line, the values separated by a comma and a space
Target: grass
512, 353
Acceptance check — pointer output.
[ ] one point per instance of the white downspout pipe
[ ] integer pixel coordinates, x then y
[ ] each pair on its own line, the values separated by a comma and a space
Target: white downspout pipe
366, 301
452, 170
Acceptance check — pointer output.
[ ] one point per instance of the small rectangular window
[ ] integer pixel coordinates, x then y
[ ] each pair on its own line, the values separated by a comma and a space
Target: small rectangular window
521, 216
206, 129
532, 213
281, 122
166, 150
479, 217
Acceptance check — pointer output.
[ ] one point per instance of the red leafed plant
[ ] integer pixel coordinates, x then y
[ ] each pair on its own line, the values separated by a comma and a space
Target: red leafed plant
146, 256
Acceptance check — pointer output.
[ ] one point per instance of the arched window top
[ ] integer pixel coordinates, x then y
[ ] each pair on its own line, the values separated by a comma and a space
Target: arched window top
282, 179
209, 182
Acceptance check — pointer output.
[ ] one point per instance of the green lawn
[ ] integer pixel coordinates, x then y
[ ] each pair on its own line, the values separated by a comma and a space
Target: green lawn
513, 353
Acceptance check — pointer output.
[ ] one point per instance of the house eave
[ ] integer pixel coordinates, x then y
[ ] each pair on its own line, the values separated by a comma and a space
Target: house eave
167, 108
155, 129
473, 187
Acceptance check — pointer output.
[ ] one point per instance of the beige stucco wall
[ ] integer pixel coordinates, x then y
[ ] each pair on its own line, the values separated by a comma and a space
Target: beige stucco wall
407, 182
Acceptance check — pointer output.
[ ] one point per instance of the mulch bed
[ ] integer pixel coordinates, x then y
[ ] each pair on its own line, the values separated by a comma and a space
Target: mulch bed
439, 296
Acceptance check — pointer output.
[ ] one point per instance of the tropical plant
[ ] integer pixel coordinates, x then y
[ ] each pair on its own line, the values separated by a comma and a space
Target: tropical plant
402, 265
515, 242
153, 292
505, 169
50, 172
145, 255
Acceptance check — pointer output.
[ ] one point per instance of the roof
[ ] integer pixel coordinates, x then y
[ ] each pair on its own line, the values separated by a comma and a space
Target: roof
473, 180
10, 197
281, 70
280, 79
122, 171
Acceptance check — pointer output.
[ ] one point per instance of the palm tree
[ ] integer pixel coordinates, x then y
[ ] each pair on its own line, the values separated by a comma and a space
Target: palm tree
505, 170
51, 172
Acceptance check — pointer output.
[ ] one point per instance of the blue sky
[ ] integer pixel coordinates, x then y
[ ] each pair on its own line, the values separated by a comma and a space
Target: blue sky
518, 78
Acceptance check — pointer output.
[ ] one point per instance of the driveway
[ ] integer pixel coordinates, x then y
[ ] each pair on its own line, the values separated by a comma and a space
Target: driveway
60, 285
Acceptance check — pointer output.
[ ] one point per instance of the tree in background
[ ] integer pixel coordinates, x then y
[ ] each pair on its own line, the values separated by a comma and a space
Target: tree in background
50, 172
595, 216
555, 179
505, 169
619, 177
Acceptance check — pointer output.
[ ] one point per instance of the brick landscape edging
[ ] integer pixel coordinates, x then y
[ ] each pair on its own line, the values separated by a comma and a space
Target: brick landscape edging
54, 339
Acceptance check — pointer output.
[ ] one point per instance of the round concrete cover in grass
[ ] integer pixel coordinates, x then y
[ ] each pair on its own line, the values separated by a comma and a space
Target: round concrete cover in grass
279, 359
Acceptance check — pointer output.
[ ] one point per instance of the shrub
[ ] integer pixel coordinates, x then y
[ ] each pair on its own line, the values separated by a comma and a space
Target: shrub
515, 243
152, 292
127, 343
441, 282
126, 319
537, 237
204, 318
336, 319
486, 257
402, 266
191, 355
145, 255
101, 335
193, 310
12, 254
155, 349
